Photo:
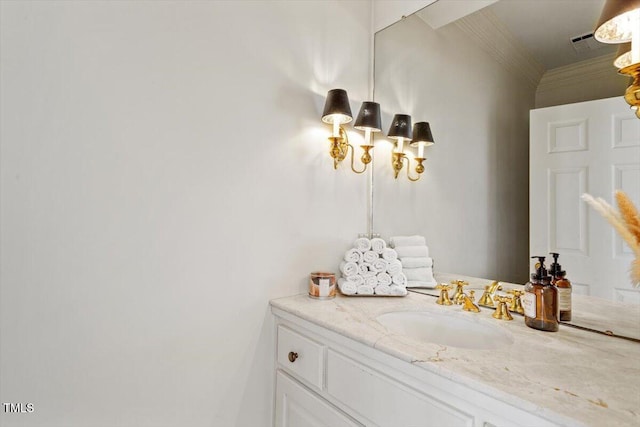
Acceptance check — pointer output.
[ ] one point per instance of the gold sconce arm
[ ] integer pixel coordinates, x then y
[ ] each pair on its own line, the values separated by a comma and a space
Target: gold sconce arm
340, 148
419, 168
365, 159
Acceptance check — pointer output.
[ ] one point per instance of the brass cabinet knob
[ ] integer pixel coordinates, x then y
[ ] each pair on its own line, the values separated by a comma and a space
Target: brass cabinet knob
292, 356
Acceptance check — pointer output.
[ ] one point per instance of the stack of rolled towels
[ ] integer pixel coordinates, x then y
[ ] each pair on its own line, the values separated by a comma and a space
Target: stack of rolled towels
417, 266
372, 268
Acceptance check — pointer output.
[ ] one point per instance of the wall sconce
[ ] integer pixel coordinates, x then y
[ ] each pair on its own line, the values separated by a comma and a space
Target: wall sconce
369, 121
338, 112
422, 138
620, 23
400, 131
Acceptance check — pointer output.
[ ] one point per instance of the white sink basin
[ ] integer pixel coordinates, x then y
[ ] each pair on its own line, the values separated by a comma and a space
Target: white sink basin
464, 330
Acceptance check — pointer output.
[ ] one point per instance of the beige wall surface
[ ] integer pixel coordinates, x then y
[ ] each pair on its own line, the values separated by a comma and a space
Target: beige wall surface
164, 173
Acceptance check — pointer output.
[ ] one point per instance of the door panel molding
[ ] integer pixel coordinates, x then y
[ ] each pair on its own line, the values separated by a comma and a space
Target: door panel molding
566, 136
565, 186
626, 177
626, 131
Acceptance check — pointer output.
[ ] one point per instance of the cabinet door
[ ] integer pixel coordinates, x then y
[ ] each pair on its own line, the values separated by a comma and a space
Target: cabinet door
298, 407
384, 401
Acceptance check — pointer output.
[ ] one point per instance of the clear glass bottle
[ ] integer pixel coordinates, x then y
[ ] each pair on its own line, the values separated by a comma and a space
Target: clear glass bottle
540, 301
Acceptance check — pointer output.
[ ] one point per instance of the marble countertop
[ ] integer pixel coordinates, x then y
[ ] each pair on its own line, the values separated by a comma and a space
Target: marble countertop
572, 376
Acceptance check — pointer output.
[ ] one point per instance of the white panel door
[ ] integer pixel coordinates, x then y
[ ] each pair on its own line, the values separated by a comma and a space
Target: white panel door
589, 147
297, 406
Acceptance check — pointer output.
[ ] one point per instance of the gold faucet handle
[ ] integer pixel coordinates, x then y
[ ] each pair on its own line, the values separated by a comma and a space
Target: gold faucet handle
502, 311
459, 282
516, 302
458, 296
443, 299
486, 299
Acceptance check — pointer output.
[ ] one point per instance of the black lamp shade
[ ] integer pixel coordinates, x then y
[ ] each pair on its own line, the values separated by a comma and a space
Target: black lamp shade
400, 127
337, 107
422, 133
369, 117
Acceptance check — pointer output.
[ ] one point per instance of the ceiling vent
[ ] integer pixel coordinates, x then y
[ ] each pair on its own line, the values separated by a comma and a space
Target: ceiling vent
585, 43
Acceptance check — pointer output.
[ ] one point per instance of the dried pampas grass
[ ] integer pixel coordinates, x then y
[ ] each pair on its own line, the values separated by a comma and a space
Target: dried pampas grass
626, 223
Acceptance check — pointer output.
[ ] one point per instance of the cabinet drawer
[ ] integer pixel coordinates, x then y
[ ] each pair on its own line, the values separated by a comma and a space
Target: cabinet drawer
385, 401
296, 406
301, 356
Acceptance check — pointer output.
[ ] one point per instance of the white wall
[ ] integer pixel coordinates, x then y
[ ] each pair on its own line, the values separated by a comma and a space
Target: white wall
164, 174
472, 201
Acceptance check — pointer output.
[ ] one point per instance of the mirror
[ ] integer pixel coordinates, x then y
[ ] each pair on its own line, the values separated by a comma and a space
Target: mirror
469, 80
474, 80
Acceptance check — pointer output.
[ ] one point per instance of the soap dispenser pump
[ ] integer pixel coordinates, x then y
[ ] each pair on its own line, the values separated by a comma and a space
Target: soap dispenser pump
540, 300
564, 288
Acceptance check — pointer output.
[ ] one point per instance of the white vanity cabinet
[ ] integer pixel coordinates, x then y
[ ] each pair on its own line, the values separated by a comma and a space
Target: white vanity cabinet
326, 379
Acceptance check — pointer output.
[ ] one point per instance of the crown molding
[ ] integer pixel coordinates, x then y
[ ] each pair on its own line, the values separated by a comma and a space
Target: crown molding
598, 68
496, 40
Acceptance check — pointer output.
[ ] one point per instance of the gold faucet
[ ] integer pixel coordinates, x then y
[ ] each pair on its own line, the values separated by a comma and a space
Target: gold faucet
444, 294
468, 302
515, 304
502, 312
458, 296
485, 299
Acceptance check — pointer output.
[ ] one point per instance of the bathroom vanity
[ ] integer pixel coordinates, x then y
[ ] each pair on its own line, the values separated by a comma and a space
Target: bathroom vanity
354, 361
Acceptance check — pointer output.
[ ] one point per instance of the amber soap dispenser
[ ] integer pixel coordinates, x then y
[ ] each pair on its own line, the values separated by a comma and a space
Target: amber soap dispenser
540, 300
564, 289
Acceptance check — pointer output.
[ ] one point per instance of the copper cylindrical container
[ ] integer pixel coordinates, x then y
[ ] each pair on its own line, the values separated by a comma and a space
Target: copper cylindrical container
322, 285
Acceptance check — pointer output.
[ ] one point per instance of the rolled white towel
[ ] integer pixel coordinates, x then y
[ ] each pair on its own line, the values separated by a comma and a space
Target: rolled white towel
357, 279
347, 287
363, 267
365, 290
399, 279
396, 241
382, 290
412, 251
384, 279
421, 284
378, 245
398, 290
371, 281
394, 267
380, 265
389, 254
369, 256
362, 244
415, 262
423, 273
370, 273
349, 268
353, 255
